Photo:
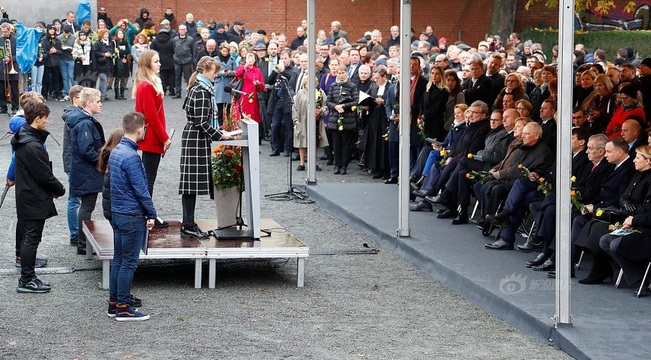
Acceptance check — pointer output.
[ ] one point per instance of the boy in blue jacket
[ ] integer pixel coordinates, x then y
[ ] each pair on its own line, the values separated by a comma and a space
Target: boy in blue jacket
133, 213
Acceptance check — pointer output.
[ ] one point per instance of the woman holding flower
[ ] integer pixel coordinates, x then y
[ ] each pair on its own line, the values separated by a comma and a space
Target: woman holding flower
252, 83
342, 97
635, 211
201, 111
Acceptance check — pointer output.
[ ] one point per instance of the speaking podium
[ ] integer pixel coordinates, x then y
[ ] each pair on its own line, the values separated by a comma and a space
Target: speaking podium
249, 142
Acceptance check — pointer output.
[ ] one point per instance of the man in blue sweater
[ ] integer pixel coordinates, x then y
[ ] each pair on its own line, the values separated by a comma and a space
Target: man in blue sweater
133, 213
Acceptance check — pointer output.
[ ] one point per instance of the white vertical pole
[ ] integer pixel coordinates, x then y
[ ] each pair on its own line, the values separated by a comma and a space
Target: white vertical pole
564, 161
405, 118
311, 91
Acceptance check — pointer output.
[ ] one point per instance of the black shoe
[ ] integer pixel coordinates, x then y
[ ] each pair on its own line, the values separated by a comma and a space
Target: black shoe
300, 168
35, 286
296, 157
287, 154
391, 181
344, 171
530, 246
499, 244
160, 223
376, 176
552, 274
74, 241
421, 193
337, 170
539, 260
420, 206
275, 153
177, 96
192, 231
461, 219
134, 301
501, 219
447, 214
38, 263
644, 292
318, 168
548, 265
593, 279
416, 185
441, 211
323, 157
330, 162
438, 199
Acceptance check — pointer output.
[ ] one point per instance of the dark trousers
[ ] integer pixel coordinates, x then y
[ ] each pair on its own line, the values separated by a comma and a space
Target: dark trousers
20, 235
414, 152
342, 143
181, 70
490, 194
33, 234
394, 158
167, 78
52, 81
419, 167
150, 161
457, 189
86, 208
517, 204
281, 129
13, 86
188, 203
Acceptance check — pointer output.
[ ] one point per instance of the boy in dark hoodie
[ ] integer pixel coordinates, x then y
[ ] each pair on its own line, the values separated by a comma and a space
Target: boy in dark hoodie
17, 122
144, 16
36, 186
73, 201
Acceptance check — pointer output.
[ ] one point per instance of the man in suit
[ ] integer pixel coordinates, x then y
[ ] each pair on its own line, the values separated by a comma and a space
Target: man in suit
279, 107
493, 72
547, 112
479, 86
353, 67
632, 134
536, 157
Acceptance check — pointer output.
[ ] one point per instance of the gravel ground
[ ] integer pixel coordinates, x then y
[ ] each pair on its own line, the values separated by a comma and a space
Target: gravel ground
354, 304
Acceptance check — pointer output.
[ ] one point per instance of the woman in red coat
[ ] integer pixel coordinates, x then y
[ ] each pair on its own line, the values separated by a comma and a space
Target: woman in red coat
148, 92
253, 82
630, 108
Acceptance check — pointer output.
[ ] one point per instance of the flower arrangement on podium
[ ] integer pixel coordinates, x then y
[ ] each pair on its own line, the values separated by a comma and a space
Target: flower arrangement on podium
227, 173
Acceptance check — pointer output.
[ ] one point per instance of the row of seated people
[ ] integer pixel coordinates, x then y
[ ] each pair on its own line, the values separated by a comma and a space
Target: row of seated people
505, 160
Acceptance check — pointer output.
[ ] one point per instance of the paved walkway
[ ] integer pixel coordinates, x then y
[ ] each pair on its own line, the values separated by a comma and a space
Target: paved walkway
608, 322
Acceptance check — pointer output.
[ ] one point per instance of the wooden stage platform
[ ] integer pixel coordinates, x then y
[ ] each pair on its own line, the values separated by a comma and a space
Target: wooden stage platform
166, 243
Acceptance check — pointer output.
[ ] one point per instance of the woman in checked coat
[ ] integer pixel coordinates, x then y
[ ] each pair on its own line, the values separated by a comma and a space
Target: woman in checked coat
201, 110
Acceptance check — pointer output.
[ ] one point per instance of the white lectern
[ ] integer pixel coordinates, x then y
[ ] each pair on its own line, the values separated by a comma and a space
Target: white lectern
249, 142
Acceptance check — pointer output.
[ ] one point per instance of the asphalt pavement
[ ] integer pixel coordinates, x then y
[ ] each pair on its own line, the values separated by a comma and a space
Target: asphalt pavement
357, 303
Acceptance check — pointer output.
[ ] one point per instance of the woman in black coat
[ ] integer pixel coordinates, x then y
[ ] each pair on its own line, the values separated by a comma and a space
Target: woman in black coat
376, 153
201, 110
633, 251
342, 97
102, 60
634, 206
433, 105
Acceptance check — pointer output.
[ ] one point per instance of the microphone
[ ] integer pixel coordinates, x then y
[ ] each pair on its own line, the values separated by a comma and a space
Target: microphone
229, 89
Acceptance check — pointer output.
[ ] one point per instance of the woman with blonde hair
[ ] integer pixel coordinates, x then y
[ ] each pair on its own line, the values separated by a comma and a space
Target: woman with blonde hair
433, 105
201, 111
512, 85
148, 92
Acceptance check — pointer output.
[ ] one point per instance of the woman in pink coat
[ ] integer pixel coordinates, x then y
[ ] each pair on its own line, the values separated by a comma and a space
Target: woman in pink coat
253, 82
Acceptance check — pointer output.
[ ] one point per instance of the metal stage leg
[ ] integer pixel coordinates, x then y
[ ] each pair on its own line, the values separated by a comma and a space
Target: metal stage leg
197, 273
106, 273
300, 264
212, 273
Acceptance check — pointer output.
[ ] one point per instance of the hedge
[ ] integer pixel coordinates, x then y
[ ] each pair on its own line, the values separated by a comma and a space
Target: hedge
610, 41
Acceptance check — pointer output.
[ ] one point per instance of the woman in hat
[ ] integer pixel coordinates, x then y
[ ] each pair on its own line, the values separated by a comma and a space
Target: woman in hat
630, 108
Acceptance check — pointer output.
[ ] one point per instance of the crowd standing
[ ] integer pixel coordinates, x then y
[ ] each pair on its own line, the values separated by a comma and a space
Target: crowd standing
483, 124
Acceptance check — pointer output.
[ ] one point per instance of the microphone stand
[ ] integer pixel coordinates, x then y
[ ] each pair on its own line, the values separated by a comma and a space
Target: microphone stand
292, 193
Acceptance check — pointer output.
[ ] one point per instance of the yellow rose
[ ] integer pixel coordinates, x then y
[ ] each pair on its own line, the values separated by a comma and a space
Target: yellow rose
573, 179
599, 212
470, 156
443, 152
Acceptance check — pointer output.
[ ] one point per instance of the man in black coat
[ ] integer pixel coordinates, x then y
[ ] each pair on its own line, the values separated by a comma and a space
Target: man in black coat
493, 73
236, 33
538, 159
36, 186
547, 112
279, 108
479, 86
165, 46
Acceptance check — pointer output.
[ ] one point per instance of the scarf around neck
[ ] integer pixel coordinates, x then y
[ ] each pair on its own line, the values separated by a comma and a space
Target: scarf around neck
205, 83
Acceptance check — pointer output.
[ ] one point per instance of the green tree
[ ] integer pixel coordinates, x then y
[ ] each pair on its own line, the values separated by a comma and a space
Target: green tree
599, 6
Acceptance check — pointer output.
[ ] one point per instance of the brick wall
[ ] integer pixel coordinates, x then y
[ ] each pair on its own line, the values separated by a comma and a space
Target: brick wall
467, 19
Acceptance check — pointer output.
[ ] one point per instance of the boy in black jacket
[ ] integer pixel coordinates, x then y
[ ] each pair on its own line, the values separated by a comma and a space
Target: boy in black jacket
36, 186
